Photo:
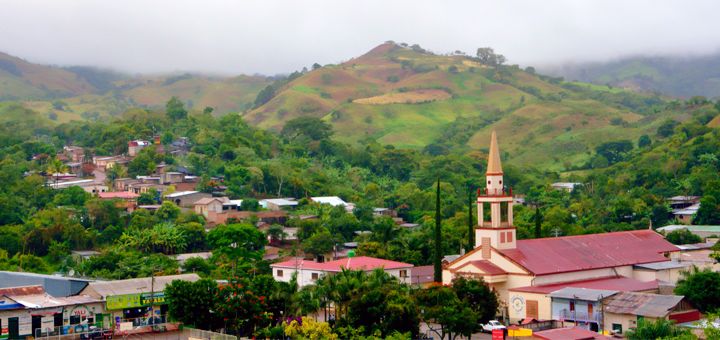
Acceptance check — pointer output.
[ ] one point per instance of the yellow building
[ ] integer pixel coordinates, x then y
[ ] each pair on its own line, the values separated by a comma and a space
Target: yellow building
524, 271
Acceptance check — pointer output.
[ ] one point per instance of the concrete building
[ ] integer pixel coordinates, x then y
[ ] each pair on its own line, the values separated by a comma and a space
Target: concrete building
186, 199
581, 306
278, 204
214, 204
566, 186
126, 200
311, 271
81, 255
523, 271
704, 231
131, 299
95, 188
135, 146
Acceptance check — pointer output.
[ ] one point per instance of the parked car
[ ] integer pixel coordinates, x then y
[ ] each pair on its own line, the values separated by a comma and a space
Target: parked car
492, 325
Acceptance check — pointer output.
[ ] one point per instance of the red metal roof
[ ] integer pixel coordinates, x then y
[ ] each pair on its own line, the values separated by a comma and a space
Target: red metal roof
620, 284
569, 333
423, 274
488, 267
118, 194
362, 262
583, 252
20, 291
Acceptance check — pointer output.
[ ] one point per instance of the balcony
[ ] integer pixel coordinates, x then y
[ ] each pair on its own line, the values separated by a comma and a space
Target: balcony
495, 192
488, 224
580, 316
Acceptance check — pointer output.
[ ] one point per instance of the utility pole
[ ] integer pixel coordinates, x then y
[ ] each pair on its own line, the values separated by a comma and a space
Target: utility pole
557, 231
152, 293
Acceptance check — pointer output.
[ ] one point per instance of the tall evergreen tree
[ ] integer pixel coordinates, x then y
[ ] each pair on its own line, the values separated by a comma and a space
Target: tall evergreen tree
471, 227
538, 221
437, 261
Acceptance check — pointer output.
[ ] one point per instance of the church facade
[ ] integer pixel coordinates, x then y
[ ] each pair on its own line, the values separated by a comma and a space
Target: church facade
524, 272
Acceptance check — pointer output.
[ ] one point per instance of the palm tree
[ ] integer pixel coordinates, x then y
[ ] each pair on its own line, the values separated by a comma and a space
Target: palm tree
287, 293
56, 167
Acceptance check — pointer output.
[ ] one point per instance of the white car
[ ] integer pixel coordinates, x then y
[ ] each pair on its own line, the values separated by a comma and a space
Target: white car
492, 325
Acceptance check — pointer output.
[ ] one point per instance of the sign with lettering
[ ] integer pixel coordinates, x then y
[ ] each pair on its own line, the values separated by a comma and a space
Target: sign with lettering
135, 300
498, 334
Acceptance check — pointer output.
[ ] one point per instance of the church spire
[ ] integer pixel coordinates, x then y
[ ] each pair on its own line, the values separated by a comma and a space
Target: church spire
494, 166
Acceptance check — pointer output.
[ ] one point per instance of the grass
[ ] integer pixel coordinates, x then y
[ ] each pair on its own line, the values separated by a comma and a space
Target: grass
415, 96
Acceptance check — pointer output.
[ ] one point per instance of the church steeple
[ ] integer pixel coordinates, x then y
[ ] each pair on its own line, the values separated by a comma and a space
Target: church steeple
495, 233
494, 166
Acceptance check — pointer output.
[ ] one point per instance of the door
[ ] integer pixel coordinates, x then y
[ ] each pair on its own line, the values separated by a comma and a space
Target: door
58, 323
13, 329
590, 311
36, 324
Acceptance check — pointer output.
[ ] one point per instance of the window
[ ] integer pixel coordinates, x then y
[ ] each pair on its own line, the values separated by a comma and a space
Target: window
502, 237
403, 273
532, 309
315, 276
279, 273
510, 236
572, 306
590, 308
617, 327
74, 319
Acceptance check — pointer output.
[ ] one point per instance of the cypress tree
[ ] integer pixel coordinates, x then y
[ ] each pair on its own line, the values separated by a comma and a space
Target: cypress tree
471, 227
538, 221
437, 261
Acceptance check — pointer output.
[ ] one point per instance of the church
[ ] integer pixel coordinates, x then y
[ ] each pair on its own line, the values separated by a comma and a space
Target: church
524, 272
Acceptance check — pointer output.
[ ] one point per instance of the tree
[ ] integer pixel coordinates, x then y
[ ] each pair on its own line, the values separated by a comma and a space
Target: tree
267, 94
644, 141
498, 59
708, 213
485, 54
240, 308
659, 215
195, 236
453, 69
441, 305
249, 204
311, 127
538, 222
276, 233
207, 110
168, 211
701, 287
237, 241
667, 128
386, 309
530, 70
56, 167
658, 329
316, 66
147, 198
437, 257
175, 109
326, 78
682, 236
167, 138
614, 151
192, 302
318, 244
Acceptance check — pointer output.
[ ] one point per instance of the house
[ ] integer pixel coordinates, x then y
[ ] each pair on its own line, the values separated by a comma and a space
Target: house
126, 200
279, 203
311, 271
135, 146
69, 183
685, 215
103, 161
332, 200
566, 186
130, 299
81, 255
121, 184
524, 271
680, 202
422, 276
30, 311
580, 305
215, 204
75, 167
172, 177
186, 199
704, 231
623, 310
147, 188
95, 188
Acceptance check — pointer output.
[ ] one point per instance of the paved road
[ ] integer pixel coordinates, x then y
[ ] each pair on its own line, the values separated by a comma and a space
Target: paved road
99, 176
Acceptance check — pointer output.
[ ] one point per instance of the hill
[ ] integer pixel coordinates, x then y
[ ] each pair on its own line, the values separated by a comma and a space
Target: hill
19, 79
443, 104
679, 76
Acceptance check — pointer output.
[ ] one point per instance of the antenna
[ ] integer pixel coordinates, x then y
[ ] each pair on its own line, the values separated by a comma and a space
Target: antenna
72, 272
557, 232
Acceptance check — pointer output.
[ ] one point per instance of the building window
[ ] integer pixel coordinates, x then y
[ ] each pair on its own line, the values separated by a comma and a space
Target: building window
509, 237
403, 273
572, 306
532, 309
279, 273
617, 327
315, 276
590, 308
489, 182
502, 237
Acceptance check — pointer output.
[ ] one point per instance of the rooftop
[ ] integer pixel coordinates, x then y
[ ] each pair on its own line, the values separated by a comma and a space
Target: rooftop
569, 333
691, 228
134, 286
661, 265
332, 200
118, 194
583, 252
353, 263
423, 274
582, 294
615, 283
181, 193
648, 305
208, 200
494, 166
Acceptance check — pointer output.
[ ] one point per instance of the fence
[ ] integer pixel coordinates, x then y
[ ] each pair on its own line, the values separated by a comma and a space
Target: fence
106, 330
206, 335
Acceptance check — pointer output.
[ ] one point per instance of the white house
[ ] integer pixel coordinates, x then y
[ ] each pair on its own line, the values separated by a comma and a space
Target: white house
311, 271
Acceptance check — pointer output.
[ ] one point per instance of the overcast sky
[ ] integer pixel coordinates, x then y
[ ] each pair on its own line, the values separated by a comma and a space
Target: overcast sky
234, 37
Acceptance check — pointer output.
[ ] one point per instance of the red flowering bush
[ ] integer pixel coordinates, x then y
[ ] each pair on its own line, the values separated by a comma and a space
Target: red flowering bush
240, 308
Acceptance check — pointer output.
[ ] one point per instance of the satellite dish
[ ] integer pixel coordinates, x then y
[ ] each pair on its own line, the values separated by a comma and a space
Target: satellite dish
72, 272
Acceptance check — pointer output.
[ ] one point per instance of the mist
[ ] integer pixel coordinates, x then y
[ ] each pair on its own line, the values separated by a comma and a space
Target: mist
270, 37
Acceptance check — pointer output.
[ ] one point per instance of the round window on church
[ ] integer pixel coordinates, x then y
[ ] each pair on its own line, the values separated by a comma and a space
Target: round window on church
488, 182
500, 182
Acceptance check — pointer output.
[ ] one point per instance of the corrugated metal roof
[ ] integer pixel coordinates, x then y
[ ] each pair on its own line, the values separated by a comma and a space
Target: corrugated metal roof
621, 284
353, 263
569, 333
584, 252
488, 267
20, 291
423, 274
649, 305
48, 301
661, 265
582, 294
706, 228
134, 286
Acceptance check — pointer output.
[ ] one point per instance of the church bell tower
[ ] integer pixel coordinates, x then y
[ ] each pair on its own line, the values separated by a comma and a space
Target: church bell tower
495, 233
